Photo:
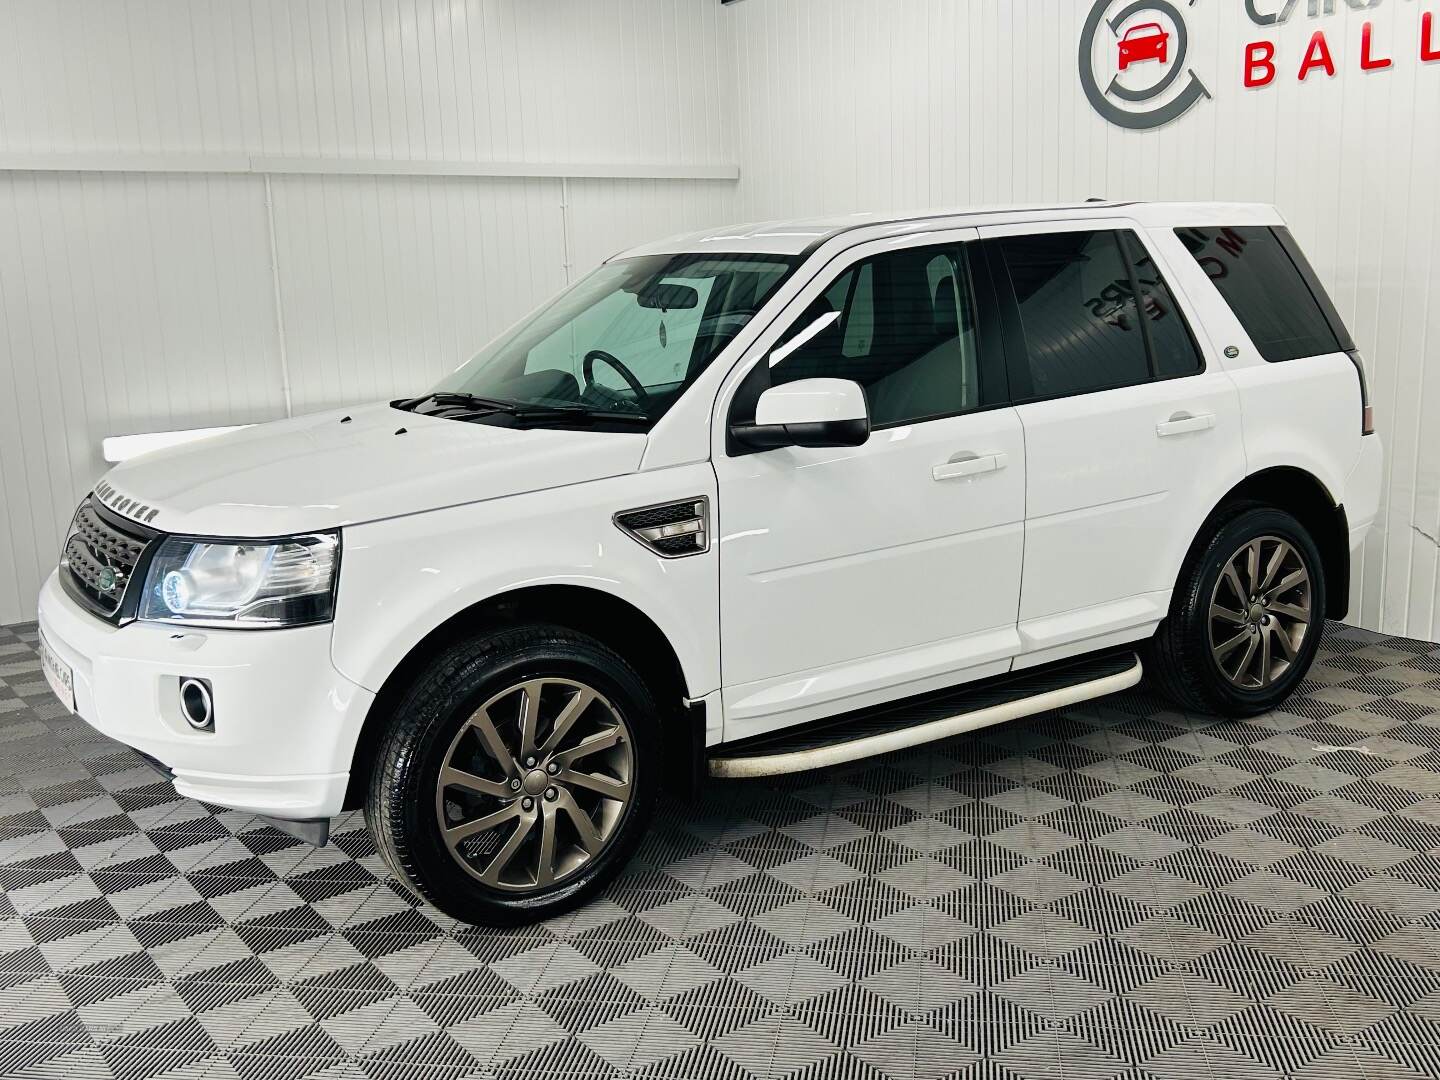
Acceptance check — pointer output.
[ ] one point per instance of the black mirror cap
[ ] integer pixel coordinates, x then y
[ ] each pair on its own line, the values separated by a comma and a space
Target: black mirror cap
757, 437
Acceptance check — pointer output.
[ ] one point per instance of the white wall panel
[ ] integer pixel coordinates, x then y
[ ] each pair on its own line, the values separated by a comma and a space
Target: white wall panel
388, 283
126, 303
550, 80
852, 104
135, 302
146, 300
607, 216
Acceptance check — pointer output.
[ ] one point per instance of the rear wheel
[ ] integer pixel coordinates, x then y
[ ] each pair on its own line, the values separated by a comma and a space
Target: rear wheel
1246, 616
518, 776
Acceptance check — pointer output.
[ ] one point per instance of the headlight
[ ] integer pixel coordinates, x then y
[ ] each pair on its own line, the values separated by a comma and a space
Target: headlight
245, 584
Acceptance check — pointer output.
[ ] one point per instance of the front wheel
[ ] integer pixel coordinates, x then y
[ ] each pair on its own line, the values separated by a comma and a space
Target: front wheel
1245, 619
518, 776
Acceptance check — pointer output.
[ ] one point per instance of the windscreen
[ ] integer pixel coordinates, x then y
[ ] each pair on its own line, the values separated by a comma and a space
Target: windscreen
628, 338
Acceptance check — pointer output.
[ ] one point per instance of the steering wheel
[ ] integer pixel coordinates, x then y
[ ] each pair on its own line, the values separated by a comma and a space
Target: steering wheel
588, 367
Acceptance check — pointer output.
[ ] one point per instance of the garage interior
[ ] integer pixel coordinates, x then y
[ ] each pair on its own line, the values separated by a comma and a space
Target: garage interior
221, 214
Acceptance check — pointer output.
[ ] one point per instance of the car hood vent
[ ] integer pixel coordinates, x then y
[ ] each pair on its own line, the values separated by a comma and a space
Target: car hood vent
671, 530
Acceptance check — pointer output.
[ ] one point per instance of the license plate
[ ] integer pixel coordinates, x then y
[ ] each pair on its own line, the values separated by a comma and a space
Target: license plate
57, 674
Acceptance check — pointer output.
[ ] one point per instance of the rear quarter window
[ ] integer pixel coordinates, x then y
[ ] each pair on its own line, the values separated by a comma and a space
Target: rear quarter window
1254, 270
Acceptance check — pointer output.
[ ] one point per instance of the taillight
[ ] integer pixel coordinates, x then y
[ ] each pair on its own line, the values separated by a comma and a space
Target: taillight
1367, 411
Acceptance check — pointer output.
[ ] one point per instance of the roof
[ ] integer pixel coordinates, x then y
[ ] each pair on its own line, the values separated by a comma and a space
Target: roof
799, 235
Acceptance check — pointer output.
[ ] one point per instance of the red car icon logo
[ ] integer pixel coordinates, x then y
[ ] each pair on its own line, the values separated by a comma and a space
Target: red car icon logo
1148, 41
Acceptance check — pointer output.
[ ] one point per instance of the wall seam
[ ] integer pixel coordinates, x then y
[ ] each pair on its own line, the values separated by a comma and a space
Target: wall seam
279, 299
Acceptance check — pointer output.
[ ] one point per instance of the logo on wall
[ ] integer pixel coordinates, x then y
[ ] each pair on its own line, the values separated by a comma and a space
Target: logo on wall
1132, 59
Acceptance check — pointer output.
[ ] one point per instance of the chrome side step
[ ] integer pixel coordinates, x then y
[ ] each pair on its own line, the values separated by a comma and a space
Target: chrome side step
903, 724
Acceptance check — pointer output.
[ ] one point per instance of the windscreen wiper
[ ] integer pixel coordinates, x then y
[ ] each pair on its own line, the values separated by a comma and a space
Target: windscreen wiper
574, 412
456, 397
475, 406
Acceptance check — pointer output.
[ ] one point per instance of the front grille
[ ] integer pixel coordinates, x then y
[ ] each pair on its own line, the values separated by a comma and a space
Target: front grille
101, 558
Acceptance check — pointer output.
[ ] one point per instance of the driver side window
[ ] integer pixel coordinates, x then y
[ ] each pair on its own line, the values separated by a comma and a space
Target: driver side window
902, 325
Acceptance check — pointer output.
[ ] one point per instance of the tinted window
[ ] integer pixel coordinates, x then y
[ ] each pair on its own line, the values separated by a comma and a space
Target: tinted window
1077, 312
1171, 342
1265, 289
902, 326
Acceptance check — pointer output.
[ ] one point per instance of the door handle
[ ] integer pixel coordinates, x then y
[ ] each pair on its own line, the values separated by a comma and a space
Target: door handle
967, 463
1181, 422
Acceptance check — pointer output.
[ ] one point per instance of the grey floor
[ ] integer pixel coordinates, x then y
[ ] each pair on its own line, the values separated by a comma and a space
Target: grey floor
1113, 890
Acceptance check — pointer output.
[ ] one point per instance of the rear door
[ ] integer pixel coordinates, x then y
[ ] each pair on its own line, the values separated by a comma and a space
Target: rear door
1131, 433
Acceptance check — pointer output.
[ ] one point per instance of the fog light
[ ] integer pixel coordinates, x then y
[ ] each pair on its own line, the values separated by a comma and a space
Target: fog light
196, 704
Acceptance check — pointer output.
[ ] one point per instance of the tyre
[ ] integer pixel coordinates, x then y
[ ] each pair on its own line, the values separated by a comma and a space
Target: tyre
518, 775
1245, 618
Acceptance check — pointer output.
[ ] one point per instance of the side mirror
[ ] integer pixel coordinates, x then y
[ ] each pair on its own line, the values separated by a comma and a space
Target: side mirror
809, 412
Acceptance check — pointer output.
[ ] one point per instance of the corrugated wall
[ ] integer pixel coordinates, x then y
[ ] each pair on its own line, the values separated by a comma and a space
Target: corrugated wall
146, 299
853, 104
134, 297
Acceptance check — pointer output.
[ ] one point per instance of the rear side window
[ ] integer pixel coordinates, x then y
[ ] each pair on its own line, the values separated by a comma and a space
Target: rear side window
1093, 313
1261, 282
1171, 344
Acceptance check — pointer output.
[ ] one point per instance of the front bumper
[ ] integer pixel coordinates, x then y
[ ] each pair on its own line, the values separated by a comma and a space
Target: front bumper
286, 722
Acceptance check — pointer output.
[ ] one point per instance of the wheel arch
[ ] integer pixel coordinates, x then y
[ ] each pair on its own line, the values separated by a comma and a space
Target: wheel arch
614, 621
1302, 494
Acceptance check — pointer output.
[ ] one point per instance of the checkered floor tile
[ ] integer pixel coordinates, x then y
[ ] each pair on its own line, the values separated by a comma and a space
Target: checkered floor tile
1116, 890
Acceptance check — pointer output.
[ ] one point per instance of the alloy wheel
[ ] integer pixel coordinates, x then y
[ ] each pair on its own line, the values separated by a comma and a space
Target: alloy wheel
1260, 612
535, 784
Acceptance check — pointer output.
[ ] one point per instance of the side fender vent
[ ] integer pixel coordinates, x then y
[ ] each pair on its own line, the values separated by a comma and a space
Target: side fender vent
671, 530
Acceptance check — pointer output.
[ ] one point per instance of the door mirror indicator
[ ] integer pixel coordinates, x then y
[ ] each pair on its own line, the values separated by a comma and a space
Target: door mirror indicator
808, 412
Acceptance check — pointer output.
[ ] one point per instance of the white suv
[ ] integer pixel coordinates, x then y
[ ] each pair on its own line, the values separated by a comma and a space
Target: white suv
746, 502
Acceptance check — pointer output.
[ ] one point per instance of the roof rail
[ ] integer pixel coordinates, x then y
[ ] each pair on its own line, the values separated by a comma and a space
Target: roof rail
820, 241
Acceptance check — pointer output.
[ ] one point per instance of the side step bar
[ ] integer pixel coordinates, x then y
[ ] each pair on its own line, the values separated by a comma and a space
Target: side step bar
927, 717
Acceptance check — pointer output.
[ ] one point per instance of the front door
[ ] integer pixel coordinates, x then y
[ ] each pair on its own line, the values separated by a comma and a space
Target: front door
855, 575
